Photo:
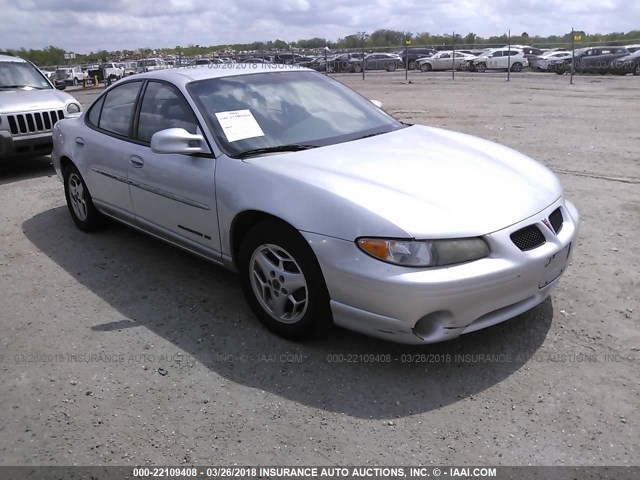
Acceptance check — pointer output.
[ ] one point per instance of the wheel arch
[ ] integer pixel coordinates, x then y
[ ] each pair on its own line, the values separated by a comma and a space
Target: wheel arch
65, 162
243, 222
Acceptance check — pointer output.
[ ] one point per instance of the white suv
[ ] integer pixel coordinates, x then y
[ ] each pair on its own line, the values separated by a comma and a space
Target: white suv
29, 108
501, 59
71, 75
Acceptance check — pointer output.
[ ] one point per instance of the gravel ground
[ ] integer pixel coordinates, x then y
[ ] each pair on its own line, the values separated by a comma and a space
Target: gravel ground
117, 349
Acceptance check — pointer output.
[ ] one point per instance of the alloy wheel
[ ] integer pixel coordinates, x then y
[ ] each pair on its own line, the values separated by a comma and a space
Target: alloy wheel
278, 283
77, 197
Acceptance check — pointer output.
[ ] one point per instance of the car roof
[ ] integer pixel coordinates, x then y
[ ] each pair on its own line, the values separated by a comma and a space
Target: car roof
11, 58
184, 75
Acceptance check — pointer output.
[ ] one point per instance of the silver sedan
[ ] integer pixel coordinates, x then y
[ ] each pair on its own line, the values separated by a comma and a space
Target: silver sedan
331, 211
447, 60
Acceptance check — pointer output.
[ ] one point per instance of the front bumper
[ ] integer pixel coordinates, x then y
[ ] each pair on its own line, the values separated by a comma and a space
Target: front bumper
418, 306
33, 145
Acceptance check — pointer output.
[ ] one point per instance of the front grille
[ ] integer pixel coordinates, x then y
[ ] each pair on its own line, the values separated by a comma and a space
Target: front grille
528, 238
556, 220
24, 123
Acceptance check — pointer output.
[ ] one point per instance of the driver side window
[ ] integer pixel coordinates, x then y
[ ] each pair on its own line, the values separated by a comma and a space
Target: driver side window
164, 107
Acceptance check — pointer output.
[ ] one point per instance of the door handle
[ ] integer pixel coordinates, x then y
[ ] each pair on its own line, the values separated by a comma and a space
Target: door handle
136, 161
79, 142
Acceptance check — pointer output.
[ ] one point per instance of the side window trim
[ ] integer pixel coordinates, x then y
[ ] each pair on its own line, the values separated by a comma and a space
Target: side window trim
134, 133
114, 134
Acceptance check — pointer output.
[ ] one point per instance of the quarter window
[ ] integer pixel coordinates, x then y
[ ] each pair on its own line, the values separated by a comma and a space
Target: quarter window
93, 117
164, 107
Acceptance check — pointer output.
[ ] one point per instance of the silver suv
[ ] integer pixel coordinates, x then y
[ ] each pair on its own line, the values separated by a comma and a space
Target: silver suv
29, 108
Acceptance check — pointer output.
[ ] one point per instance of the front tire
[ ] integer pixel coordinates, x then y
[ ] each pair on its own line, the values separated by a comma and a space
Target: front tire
357, 68
75, 82
283, 283
391, 67
81, 207
425, 67
481, 67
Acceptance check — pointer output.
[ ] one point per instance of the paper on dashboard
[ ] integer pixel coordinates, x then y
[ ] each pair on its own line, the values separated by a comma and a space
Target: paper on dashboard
239, 125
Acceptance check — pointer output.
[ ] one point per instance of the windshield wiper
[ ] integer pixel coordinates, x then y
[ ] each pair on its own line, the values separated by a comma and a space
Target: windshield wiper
296, 147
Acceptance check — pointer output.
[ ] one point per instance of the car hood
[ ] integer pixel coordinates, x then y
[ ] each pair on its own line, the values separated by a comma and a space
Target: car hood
12, 101
429, 182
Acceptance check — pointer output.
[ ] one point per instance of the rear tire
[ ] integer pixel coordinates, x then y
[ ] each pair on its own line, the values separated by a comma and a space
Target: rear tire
75, 82
357, 68
83, 212
516, 67
282, 281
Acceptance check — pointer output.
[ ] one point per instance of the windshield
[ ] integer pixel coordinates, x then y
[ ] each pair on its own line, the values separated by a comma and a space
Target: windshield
267, 110
21, 74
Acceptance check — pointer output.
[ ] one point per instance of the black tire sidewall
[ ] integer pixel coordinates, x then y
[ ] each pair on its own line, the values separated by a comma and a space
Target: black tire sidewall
317, 319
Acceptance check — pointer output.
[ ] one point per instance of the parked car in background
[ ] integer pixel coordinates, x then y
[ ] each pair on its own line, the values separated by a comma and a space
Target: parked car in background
548, 61
150, 65
376, 61
414, 53
632, 48
316, 63
287, 58
330, 210
70, 75
443, 61
527, 50
626, 64
499, 59
255, 60
207, 61
128, 68
29, 108
341, 62
107, 71
592, 60
50, 74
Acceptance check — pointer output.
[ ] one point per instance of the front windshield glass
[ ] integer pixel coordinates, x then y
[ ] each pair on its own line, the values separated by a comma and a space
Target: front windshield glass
21, 75
267, 110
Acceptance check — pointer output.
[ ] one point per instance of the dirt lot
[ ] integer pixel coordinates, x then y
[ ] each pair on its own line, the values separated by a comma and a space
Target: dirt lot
117, 349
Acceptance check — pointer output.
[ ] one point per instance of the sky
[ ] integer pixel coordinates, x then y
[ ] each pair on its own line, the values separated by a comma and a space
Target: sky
83, 26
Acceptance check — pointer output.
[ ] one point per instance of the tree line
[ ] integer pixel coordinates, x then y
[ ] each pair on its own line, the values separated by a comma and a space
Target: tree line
379, 39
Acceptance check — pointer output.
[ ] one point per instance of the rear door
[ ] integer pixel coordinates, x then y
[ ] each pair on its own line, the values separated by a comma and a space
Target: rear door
104, 148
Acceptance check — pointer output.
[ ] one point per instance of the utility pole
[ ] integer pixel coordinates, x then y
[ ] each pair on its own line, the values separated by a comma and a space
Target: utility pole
509, 56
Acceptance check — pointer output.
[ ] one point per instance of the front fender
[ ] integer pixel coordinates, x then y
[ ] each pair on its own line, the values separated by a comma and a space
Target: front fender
242, 186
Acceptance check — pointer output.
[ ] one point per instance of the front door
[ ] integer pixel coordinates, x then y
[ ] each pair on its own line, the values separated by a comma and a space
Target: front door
173, 194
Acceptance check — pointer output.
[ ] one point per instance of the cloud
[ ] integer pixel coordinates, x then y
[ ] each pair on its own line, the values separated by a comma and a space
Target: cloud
85, 25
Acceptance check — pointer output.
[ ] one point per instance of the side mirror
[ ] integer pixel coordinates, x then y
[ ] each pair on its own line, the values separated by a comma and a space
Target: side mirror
60, 84
377, 103
178, 140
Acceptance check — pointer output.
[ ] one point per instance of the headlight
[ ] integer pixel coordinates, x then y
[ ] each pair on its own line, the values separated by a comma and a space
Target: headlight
424, 253
73, 108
